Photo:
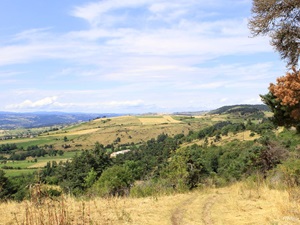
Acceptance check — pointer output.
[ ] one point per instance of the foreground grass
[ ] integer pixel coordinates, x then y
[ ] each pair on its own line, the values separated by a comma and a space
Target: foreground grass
237, 204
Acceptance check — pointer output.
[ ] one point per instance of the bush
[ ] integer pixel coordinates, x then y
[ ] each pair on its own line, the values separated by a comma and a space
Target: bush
115, 181
291, 172
151, 188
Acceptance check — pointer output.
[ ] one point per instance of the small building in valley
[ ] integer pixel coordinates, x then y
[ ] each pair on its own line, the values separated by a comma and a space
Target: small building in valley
114, 154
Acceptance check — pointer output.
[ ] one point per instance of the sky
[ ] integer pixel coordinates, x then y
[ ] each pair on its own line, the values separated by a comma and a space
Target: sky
131, 56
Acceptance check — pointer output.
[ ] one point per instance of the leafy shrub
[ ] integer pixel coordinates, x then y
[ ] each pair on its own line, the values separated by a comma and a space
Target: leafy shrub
115, 181
291, 172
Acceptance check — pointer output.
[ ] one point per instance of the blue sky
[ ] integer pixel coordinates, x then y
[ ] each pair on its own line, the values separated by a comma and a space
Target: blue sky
131, 56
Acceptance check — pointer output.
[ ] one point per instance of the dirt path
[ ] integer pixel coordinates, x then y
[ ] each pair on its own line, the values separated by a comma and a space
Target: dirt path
232, 205
178, 214
206, 211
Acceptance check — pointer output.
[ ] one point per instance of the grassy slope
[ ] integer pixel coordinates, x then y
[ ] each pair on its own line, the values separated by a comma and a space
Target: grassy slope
241, 203
129, 129
237, 204
83, 136
29, 166
106, 131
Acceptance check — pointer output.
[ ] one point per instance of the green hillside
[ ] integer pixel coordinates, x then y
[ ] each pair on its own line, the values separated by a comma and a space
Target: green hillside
164, 155
240, 109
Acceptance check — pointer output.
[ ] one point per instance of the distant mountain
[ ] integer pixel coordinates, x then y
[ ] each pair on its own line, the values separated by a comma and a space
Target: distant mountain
11, 120
189, 113
240, 108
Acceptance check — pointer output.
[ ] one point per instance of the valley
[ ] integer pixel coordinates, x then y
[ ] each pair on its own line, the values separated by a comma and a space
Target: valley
233, 167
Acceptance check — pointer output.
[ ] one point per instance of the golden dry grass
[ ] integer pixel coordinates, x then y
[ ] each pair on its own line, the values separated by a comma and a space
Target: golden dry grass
76, 132
44, 163
245, 135
218, 119
96, 211
128, 128
238, 204
166, 119
242, 136
171, 119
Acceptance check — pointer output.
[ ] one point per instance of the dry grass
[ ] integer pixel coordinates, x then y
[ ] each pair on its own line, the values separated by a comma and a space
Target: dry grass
242, 203
44, 163
218, 119
97, 211
171, 119
245, 205
107, 130
166, 119
75, 132
128, 128
245, 135
242, 136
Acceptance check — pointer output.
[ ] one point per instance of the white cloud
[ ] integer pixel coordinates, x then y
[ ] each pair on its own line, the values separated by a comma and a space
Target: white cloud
133, 52
33, 34
253, 101
9, 73
223, 100
93, 12
101, 45
39, 104
134, 103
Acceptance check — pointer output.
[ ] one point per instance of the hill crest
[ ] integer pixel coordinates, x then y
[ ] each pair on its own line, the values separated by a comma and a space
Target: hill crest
240, 108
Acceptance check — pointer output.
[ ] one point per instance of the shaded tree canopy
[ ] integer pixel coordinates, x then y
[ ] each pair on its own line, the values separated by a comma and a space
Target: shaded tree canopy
284, 100
281, 20
287, 91
281, 116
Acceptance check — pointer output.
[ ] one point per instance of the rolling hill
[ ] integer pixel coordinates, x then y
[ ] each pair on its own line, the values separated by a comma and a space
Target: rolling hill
11, 120
240, 108
203, 169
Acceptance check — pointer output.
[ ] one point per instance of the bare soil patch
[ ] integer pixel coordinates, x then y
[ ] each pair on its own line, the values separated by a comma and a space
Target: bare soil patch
178, 214
206, 211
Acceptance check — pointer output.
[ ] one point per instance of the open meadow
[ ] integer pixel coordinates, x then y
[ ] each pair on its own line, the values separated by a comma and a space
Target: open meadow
30, 165
117, 131
129, 129
237, 204
124, 130
208, 169
111, 112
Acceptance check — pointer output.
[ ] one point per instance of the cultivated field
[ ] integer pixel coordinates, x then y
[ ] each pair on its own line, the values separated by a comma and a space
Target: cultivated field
30, 165
117, 131
124, 130
158, 120
129, 129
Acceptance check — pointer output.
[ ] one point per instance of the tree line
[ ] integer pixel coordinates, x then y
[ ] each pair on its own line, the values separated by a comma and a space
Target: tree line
163, 164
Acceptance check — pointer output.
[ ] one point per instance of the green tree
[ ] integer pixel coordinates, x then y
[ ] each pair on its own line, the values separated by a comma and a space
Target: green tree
60, 152
281, 113
74, 175
115, 181
4, 183
176, 173
281, 20
186, 168
90, 178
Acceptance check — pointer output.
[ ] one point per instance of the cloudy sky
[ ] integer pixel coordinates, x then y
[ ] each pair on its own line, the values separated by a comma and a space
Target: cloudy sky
131, 56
